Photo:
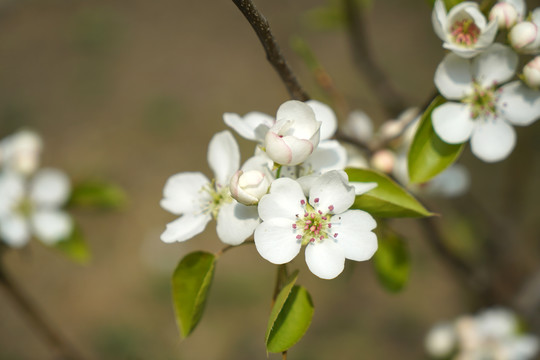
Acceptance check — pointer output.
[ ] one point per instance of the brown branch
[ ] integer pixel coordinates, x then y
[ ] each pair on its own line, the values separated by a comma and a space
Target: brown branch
60, 345
262, 28
390, 99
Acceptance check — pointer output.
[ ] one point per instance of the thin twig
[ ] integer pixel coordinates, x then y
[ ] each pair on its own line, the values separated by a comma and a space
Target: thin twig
390, 99
262, 28
60, 345
229, 247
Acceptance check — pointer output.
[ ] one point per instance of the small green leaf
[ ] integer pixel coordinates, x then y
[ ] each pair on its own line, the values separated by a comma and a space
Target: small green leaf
391, 261
74, 247
429, 155
290, 317
388, 199
190, 283
97, 194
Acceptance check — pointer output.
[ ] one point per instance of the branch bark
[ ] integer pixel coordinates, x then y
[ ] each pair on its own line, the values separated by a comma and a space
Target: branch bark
273, 53
60, 345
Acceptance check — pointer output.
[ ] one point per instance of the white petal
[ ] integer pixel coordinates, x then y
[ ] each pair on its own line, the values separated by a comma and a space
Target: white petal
354, 235
476, 15
253, 126
11, 191
326, 116
363, 187
329, 155
331, 193
276, 241
306, 182
51, 226
359, 126
453, 77
326, 259
487, 36
14, 230
452, 122
519, 104
454, 181
50, 187
236, 222
185, 227
183, 193
223, 157
495, 65
493, 140
283, 200
438, 18
462, 52
300, 113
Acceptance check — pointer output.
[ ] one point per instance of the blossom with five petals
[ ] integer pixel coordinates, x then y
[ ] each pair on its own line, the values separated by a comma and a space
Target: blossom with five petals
197, 200
324, 224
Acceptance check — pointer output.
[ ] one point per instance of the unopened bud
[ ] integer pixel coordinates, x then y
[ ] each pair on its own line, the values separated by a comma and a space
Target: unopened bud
505, 14
531, 73
249, 187
383, 160
523, 36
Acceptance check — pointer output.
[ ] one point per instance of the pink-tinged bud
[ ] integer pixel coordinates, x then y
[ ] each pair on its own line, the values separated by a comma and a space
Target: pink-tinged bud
531, 73
383, 160
249, 187
505, 14
295, 134
523, 36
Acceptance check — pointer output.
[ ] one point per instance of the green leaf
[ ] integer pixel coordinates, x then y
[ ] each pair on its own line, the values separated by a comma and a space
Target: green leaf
190, 283
74, 247
290, 316
388, 199
97, 194
391, 261
429, 155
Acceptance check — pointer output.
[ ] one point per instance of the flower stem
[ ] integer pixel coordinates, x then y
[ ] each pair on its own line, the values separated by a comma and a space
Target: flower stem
278, 173
281, 278
229, 247
52, 336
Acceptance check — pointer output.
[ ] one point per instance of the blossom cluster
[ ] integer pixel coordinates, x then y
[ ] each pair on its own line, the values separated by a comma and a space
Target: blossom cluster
291, 193
31, 198
486, 93
491, 334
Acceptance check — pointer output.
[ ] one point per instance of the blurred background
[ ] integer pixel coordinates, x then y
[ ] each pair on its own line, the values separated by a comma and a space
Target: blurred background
132, 91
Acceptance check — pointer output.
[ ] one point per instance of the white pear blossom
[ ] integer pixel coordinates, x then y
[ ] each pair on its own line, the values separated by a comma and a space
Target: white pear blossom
464, 29
531, 73
197, 200
491, 334
322, 223
20, 152
480, 110
34, 207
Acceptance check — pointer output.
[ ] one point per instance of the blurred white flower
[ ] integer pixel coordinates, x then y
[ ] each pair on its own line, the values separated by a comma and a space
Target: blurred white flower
464, 29
197, 200
491, 335
330, 232
34, 207
485, 112
20, 152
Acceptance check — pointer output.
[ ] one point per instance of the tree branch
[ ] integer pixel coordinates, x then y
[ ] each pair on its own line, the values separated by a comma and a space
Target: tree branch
60, 345
390, 99
262, 28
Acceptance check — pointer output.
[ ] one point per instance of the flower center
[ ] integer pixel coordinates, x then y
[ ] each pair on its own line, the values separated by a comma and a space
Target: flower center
465, 32
483, 101
24, 207
219, 195
313, 225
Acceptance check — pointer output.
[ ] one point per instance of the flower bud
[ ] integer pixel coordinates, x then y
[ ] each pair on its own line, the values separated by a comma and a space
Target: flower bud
524, 36
359, 126
383, 160
505, 14
249, 187
440, 341
295, 134
531, 73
